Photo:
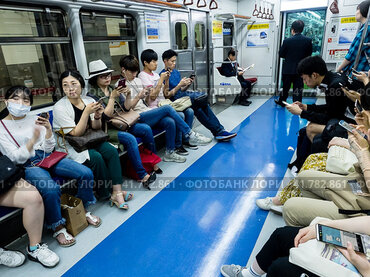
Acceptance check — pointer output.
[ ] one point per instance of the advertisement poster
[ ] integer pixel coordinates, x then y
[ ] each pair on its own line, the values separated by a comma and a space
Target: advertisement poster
258, 35
156, 27
347, 30
337, 54
216, 29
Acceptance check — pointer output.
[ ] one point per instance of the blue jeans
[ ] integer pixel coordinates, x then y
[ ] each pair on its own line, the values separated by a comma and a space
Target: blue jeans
130, 144
144, 132
50, 190
188, 116
166, 117
205, 114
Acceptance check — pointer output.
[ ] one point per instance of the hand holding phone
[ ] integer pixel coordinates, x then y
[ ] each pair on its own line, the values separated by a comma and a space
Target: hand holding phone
355, 71
340, 238
101, 100
285, 103
350, 128
192, 76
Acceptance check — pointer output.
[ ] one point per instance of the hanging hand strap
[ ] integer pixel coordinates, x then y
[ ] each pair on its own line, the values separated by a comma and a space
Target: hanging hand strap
187, 2
10, 134
213, 5
199, 5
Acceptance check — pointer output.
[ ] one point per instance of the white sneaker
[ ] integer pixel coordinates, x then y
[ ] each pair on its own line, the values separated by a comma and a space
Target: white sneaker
173, 157
266, 204
198, 139
11, 258
43, 255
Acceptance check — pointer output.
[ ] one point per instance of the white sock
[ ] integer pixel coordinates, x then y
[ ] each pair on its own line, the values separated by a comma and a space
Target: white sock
249, 272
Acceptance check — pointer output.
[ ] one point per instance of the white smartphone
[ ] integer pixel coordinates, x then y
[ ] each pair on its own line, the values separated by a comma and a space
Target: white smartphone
285, 103
349, 128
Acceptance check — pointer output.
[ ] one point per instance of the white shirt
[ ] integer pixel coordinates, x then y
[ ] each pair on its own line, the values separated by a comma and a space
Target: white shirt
136, 86
22, 131
64, 116
151, 80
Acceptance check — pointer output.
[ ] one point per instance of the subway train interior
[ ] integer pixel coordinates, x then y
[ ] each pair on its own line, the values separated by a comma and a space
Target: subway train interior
238, 99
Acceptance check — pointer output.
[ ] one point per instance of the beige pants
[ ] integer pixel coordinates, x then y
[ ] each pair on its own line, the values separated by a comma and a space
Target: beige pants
300, 211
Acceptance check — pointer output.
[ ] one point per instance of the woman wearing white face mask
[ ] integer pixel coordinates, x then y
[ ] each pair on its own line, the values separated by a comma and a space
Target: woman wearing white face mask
27, 140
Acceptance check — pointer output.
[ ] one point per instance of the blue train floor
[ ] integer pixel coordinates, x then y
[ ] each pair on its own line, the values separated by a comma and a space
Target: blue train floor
207, 216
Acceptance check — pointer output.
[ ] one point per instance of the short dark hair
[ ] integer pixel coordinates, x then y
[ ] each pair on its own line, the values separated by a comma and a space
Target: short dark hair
297, 26
168, 54
25, 91
312, 64
231, 52
364, 8
73, 73
129, 62
148, 55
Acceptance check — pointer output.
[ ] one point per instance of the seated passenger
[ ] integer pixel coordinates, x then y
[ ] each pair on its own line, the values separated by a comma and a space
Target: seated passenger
73, 115
230, 69
150, 78
273, 258
27, 140
25, 196
100, 88
179, 88
163, 117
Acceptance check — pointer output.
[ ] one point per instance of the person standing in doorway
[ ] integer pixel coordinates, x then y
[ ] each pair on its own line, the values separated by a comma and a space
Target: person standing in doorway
293, 50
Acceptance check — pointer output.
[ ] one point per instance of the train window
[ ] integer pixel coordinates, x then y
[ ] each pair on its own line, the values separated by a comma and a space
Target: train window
228, 30
34, 50
108, 37
181, 34
199, 34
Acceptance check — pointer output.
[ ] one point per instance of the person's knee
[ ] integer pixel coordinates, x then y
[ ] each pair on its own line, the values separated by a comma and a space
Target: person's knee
292, 211
85, 173
96, 159
32, 198
168, 123
182, 115
189, 112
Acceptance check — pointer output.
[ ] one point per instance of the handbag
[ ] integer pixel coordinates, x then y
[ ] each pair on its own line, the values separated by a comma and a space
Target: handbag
200, 101
179, 105
9, 174
91, 139
123, 120
340, 160
148, 159
321, 259
51, 160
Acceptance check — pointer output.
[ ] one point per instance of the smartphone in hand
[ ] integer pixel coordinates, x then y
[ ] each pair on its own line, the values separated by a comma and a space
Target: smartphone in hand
355, 71
44, 115
358, 106
122, 83
350, 129
192, 76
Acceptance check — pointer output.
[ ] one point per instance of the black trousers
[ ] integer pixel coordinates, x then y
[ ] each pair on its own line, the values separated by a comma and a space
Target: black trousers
274, 256
246, 89
297, 81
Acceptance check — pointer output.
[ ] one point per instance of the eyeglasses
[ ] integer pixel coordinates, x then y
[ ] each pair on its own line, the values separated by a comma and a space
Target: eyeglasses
105, 76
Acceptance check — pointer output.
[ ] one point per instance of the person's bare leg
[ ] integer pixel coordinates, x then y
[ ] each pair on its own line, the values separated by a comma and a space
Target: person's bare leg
24, 195
313, 130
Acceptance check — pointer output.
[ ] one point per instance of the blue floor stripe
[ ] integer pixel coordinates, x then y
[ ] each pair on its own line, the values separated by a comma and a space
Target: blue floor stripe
192, 232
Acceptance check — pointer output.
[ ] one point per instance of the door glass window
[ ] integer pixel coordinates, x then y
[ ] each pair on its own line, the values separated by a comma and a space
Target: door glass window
34, 50
108, 38
314, 23
181, 34
227, 31
199, 35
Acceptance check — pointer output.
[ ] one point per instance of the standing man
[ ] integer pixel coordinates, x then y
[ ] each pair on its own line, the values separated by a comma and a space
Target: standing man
293, 50
230, 69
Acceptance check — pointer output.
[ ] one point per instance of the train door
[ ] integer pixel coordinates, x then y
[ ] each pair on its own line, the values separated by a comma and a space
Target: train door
181, 42
314, 21
199, 44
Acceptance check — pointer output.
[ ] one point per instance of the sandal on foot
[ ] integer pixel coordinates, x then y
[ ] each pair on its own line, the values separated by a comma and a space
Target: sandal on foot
96, 220
128, 196
114, 201
67, 237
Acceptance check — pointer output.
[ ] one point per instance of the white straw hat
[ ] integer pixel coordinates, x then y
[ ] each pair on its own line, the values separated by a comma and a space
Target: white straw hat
98, 68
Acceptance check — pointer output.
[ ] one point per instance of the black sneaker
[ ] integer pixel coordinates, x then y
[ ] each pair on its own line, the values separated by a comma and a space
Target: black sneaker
189, 145
181, 151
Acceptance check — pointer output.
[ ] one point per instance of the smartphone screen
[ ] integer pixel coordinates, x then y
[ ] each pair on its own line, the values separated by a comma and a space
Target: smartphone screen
339, 237
44, 115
